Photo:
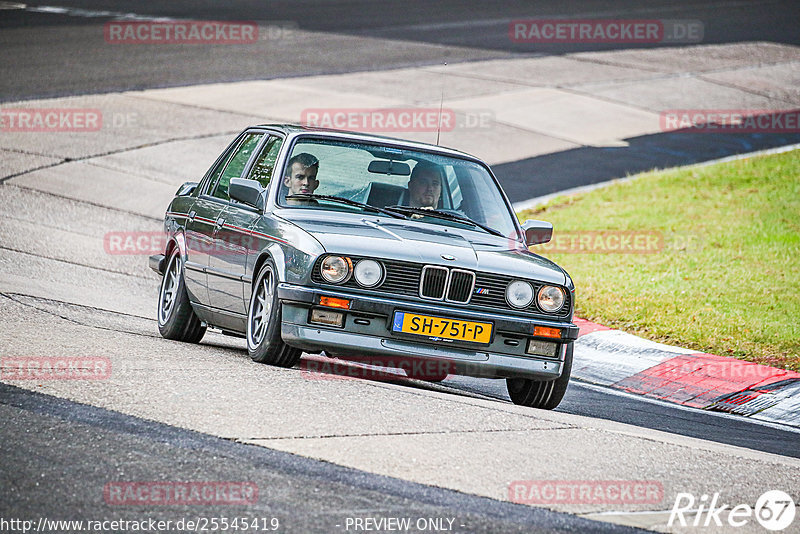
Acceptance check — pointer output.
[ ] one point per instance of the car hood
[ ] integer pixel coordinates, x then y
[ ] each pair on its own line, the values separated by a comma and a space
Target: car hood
418, 242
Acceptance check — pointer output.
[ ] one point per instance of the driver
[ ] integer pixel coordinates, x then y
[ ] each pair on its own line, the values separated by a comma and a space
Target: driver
301, 174
425, 185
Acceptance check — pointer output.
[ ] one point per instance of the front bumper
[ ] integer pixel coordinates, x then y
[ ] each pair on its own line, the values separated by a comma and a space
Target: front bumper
366, 333
156, 263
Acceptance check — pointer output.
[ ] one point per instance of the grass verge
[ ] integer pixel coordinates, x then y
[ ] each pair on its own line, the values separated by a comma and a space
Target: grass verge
716, 267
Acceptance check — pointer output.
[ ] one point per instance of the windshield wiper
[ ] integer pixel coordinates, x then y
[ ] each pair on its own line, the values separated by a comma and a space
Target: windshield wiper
333, 198
444, 215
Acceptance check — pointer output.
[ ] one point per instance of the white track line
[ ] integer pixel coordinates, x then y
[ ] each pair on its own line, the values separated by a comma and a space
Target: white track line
85, 13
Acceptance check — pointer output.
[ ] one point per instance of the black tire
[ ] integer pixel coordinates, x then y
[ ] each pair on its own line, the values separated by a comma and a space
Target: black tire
264, 343
545, 395
176, 318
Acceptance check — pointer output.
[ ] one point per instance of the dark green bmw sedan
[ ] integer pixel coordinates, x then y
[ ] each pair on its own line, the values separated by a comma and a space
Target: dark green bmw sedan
370, 249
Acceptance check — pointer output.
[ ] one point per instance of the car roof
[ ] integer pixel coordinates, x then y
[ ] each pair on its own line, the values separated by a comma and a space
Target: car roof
360, 136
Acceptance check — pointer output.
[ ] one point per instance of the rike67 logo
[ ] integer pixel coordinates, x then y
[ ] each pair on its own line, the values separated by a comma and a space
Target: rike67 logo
774, 510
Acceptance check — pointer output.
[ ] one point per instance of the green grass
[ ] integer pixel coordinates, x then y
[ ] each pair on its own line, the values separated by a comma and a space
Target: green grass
727, 280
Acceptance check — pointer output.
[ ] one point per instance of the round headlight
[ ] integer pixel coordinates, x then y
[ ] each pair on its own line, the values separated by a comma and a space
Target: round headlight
335, 269
551, 298
519, 294
368, 273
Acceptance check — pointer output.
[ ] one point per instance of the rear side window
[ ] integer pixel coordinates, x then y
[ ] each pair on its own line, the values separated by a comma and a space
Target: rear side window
236, 164
213, 174
264, 165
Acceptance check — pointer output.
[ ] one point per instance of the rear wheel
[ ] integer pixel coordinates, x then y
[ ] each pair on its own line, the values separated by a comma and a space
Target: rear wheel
541, 394
264, 343
176, 318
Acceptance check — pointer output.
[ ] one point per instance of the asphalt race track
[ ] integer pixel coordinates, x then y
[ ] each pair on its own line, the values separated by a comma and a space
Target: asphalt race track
324, 450
55, 52
396, 33
303, 494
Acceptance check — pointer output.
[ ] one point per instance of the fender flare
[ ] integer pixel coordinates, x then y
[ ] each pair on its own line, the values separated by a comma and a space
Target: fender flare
275, 252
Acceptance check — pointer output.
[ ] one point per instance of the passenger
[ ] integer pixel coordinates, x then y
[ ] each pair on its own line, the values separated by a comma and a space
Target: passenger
425, 185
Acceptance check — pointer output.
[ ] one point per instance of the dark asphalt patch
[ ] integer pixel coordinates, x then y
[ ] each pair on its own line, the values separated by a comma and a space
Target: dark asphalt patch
550, 173
58, 455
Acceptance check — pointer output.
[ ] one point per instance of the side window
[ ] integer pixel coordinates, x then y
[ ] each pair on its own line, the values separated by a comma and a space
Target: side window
236, 164
262, 168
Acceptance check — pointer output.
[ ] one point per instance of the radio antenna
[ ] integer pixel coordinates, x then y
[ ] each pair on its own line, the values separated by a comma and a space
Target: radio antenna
441, 103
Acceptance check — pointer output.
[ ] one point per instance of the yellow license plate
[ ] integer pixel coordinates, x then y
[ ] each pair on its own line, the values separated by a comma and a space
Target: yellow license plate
441, 327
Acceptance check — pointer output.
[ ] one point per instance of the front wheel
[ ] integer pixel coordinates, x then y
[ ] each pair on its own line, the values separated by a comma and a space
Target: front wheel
545, 395
264, 343
176, 318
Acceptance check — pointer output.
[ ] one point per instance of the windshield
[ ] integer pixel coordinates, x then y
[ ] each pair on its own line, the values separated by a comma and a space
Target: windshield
365, 176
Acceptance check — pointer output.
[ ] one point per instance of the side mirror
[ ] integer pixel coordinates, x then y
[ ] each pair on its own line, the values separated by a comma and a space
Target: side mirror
247, 192
186, 189
537, 232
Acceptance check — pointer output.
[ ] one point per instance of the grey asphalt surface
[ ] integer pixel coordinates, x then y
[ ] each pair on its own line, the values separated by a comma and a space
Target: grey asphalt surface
64, 453
598, 402
358, 35
580, 399
60, 453
61, 51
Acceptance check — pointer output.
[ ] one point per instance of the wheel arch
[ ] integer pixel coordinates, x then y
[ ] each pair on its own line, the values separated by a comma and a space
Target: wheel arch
177, 240
275, 253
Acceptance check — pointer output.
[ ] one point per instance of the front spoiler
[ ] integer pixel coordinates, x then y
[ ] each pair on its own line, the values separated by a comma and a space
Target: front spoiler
399, 353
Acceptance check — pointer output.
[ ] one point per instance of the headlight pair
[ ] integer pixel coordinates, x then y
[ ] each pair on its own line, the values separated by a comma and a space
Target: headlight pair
338, 269
519, 294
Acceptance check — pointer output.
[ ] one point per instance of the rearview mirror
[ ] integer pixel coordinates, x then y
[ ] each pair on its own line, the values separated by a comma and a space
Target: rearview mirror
186, 189
247, 192
537, 232
383, 166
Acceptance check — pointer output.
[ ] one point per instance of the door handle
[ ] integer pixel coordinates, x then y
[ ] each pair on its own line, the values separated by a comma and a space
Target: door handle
220, 223
191, 215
